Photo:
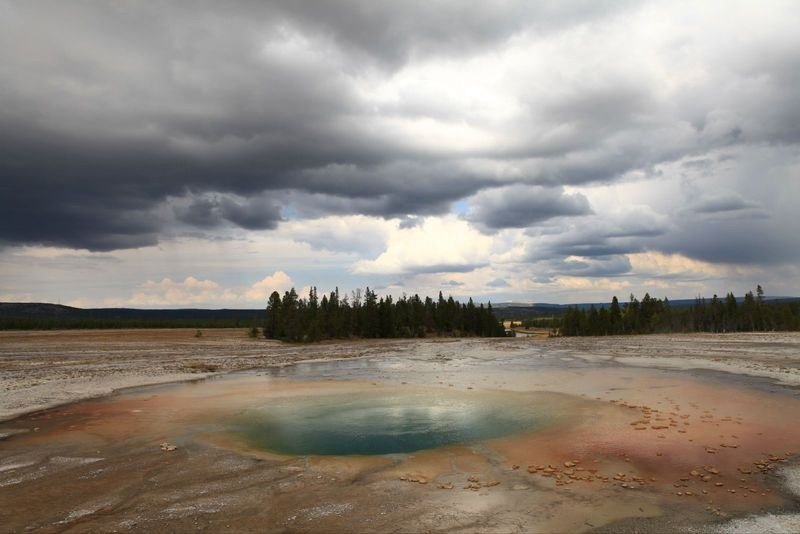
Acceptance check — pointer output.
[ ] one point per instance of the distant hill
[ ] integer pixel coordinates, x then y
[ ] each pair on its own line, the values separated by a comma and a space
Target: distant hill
514, 310
43, 309
36, 309
41, 315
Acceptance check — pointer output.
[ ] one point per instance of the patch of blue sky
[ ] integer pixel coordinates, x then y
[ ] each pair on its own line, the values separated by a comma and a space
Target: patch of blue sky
460, 207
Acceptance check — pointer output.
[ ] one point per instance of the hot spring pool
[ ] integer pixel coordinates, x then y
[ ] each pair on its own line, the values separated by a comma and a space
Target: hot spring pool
385, 423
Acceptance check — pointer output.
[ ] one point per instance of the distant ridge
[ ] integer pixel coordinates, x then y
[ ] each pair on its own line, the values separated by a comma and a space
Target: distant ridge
36, 309
514, 310
44, 309
46, 316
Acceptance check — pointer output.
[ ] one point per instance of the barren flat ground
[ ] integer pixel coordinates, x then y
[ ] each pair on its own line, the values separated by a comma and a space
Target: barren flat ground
102, 431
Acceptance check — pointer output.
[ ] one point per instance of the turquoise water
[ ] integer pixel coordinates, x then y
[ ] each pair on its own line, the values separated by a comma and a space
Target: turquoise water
381, 423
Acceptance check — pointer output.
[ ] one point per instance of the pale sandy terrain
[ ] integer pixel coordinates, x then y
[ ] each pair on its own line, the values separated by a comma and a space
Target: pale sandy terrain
45, 369
773, 355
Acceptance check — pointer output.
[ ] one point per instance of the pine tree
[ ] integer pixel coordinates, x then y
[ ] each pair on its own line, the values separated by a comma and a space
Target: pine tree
273, 326
615, 316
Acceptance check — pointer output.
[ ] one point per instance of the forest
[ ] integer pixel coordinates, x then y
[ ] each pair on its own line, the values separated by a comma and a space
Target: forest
751, 314
291, 318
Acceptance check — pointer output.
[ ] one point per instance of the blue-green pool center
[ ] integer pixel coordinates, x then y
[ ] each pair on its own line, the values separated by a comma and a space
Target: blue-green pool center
384, 423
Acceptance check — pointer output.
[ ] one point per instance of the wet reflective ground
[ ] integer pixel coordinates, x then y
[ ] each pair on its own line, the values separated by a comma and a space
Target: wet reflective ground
459, 435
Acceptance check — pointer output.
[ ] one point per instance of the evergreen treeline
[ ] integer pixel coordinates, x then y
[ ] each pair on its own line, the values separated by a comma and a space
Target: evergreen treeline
650, 315
297, 319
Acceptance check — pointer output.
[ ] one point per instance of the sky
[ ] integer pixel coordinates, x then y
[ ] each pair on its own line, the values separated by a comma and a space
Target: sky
203, 154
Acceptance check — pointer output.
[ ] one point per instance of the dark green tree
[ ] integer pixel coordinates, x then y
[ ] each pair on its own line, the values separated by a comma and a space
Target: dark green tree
615, 316
274, 323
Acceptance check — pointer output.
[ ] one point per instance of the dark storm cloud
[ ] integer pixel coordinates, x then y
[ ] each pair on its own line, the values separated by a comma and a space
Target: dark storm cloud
392, 190
746, 245
598, 247
735, 240
202, 213
633, 223
722, 228
76, 225
521, 206
102, 124
740, 211
595, 244
725, 203
254, 213
246, 111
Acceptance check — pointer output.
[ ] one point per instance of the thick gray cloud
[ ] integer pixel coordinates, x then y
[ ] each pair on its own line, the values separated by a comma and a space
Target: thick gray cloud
725, 203
633, 231
596, 246
255, 213
521, 206
739, 209
201, 212
727, 229
252, 214
753, 243
253, 113
102, 124
392, 33
393, 190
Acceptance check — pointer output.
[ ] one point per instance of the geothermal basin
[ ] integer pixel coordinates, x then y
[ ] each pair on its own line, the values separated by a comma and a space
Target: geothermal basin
513, 435
385, 422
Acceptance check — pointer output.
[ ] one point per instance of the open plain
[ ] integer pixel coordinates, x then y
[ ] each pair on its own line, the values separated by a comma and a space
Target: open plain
148, 429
